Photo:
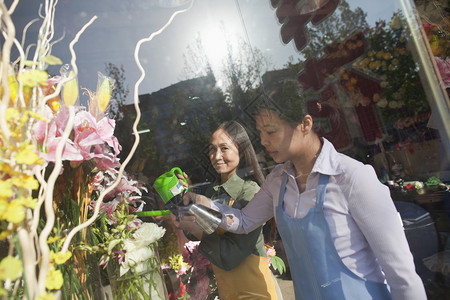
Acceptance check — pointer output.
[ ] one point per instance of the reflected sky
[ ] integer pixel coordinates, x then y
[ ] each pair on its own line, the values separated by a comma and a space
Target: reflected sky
120, 24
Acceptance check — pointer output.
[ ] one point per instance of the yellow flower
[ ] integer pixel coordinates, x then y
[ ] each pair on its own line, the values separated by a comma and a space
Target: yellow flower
33, 78
376, 97
387, 56
375, 64
11, 114
10, 268
3, 207
104, 94
24, 181
13, 87
60, 258
46, 296
379, 54
6, 190
397, 95
4, 234
70, 92
53, 239
365, 61
393, 104
27, 202
6, 168
382, 103
54, 279
14, 213
28, 156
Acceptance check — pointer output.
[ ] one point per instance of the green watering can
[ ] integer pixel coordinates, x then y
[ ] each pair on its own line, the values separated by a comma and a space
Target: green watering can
171, 191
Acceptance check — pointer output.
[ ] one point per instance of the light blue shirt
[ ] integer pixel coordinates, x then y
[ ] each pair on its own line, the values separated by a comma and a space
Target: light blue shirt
364, 223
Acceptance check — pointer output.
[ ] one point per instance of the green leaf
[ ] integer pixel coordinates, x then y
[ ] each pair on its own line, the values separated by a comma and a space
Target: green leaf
52, 60
278, 264
112, 244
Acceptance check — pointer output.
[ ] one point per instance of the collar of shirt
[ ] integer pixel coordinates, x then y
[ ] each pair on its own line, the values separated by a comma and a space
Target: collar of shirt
232, 186
328, 161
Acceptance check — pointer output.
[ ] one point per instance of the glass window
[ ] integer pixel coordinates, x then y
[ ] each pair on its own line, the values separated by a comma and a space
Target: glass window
193, 65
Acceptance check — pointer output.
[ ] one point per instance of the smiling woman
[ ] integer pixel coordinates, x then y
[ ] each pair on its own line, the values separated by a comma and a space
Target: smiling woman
381, 67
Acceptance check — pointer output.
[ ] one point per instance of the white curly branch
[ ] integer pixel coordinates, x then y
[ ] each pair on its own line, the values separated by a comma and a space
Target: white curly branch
135, 133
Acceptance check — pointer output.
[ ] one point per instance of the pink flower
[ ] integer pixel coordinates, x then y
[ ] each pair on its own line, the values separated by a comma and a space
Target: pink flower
201, 289
96, 139
49, 134
92, 139
270, 252
444, 70
192, 256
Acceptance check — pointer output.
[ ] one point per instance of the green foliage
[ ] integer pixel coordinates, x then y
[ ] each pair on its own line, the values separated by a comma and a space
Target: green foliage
278, 264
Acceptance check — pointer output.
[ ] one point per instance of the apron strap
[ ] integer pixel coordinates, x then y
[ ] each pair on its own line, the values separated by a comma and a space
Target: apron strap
282, 190
321, 190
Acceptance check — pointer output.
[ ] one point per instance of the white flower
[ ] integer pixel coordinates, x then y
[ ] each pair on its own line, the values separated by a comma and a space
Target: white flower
137, 248
418, 185
382, 103
148, 233
135, 256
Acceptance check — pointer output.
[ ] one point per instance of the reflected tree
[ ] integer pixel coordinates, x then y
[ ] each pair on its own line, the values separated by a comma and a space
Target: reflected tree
120, 92
334, 28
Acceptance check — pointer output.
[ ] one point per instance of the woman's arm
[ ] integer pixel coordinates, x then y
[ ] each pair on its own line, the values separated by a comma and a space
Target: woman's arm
374, 212
258, 211
227, 251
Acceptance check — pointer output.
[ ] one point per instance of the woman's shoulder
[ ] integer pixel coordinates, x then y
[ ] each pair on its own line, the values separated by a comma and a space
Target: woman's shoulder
355, 171
250, 186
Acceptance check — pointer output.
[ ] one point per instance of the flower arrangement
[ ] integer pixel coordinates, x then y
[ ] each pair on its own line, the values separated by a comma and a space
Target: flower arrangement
52, 150
389, 61
194, 277
128, 251
36, 254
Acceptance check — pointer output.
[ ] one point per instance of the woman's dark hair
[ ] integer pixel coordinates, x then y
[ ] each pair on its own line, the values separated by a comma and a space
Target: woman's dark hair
284, 99
246, 152
291, 104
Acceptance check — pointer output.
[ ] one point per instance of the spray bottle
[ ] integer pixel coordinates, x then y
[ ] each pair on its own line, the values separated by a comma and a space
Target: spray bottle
171, 191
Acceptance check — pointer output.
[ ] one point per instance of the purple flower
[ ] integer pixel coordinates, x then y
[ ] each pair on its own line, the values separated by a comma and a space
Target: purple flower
119, 255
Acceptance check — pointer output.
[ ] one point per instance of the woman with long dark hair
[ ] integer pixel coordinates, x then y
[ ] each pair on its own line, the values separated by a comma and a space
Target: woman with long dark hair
240, 262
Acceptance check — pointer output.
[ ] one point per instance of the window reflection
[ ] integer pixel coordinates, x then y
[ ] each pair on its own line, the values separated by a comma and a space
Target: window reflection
213, 63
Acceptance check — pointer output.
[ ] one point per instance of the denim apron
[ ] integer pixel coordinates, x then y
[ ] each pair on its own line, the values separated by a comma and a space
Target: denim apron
317, 270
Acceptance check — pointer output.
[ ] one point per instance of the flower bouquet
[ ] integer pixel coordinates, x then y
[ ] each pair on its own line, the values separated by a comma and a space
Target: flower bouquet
129, 253
194, 277
52, 154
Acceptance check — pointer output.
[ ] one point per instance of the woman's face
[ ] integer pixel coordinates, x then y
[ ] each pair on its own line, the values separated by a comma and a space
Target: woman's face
223, 154
281, 141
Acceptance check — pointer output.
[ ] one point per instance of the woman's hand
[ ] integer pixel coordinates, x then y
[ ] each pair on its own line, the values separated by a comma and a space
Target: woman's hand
190, 197
184, 179
187, 223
